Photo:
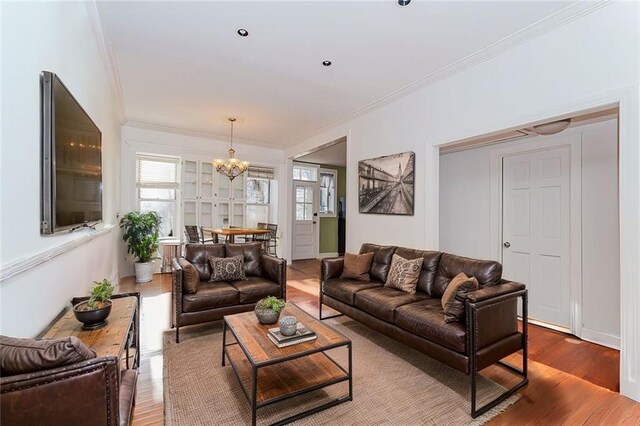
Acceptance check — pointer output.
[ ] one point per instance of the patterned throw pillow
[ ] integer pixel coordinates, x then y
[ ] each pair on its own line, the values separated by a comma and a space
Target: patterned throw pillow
227, 269
404, 274
455, 296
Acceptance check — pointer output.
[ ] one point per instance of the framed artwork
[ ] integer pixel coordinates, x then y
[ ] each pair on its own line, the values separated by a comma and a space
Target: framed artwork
386, 184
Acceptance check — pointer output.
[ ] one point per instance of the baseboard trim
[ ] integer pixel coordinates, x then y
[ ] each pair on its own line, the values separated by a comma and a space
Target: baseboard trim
600, 338
21, 265
323, 255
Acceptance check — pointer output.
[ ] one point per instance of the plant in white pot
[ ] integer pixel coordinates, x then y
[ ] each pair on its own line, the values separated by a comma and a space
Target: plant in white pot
141, 232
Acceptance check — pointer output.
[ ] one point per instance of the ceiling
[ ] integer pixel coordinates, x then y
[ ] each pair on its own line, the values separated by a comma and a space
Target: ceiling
182, 64
333, 155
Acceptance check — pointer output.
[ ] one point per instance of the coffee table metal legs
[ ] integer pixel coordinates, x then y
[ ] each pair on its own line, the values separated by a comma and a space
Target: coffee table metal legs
224, 339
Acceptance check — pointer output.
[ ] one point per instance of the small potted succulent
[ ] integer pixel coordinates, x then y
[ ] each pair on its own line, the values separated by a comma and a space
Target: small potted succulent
93, 313
268, 310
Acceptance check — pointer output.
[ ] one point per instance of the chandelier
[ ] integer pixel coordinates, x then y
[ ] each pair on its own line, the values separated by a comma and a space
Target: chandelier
232, 167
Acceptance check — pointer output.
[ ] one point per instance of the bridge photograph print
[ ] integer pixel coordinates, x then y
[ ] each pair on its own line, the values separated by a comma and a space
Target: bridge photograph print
385, 184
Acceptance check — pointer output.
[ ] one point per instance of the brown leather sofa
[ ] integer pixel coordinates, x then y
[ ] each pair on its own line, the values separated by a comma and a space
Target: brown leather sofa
488, 332
94, 391
266, 276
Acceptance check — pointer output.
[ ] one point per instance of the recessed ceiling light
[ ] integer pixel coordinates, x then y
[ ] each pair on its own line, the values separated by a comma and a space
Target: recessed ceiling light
326, 63
403, 3
242, 32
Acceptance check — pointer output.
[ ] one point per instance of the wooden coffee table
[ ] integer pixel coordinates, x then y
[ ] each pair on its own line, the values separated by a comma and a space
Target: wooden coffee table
269, 374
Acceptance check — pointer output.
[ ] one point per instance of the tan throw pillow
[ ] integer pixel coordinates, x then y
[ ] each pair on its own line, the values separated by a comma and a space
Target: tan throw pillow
356, 266
227, 268
455, 296
190, 277
404, 274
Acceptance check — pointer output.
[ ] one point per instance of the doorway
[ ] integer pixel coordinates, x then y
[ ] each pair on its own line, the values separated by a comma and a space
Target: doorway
329, 215
547, 208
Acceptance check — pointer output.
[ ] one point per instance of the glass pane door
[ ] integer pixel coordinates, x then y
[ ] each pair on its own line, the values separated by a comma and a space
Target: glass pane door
223, 215
190, 179
224, 185
238, 214
190, 213
206, 180
239, 186
206, 214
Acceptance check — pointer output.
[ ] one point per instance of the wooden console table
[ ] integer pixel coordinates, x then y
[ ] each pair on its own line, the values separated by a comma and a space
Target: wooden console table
119, 338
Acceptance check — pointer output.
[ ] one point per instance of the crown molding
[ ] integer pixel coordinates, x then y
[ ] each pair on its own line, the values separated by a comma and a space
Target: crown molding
198, 134
106, 53
537, 29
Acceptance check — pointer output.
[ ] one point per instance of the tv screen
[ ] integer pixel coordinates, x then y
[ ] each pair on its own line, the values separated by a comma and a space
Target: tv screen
71, 160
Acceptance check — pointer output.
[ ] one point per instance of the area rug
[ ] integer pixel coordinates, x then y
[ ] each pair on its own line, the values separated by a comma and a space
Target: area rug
393, 384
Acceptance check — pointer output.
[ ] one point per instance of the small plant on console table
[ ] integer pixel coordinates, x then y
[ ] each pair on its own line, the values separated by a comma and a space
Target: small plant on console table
93, 313
141, 233
268, 309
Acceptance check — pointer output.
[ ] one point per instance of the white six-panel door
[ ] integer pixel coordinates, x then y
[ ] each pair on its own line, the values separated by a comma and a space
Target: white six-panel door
537, 230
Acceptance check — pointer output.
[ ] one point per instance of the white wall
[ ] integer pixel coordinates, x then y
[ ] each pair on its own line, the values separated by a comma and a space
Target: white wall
58, 37
586, 62
154, 141
465, 188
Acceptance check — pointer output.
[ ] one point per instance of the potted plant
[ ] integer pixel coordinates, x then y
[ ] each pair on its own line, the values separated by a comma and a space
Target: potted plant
268, 310
141, 233
93, 313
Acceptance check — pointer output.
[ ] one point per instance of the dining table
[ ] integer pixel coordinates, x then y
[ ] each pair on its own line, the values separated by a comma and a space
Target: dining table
230, 233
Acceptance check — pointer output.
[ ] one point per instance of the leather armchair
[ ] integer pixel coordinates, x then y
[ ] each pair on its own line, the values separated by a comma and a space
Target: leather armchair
87, 392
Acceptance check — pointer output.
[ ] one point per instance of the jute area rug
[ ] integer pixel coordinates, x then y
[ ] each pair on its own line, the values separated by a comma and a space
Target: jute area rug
393, 384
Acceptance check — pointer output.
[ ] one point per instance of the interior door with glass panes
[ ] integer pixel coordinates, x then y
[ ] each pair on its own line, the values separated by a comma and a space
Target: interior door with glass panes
230, 202
305, 220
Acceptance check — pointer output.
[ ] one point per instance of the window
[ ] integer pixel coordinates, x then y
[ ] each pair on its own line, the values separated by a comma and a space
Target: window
157, 183
328, 200
304, 203
258, 195
308, 173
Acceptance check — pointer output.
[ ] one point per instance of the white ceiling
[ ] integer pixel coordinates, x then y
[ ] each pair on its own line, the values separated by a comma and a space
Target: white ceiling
182, 64
334, 155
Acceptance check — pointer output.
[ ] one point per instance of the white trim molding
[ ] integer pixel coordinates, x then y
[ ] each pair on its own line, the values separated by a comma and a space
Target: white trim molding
600, 338
21, 265
329, 254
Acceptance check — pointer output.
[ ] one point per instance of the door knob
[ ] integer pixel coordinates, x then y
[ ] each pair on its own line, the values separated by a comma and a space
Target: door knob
314, 222
507, 244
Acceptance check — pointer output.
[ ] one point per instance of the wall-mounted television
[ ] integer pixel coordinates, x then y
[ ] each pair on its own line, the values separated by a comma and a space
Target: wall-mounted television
71, 160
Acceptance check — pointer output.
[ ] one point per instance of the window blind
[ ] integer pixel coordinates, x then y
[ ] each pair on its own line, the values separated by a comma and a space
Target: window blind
157, 172
261, 172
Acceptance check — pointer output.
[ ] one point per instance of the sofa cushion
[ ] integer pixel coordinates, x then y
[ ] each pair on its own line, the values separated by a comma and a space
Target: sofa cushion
382, 302
190, 277
210, 295
227, 269
251, 253
345, 290
403, 274
487, 272
429, 266
20, 356
455, 296
426, 319
356, 266
381, 260
198, 255
255, 288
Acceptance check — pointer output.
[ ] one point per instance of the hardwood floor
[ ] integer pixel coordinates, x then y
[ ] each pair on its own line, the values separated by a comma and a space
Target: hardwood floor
571, 381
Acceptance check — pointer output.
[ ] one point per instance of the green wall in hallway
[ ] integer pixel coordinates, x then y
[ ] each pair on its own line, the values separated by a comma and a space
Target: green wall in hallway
329, 225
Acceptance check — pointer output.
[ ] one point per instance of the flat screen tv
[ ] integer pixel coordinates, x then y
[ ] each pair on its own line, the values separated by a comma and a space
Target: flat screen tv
71, 161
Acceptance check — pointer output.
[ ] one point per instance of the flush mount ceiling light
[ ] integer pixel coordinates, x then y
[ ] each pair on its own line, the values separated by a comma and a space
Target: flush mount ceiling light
403, 3
233, 167
326, 63
242, 32
552, 128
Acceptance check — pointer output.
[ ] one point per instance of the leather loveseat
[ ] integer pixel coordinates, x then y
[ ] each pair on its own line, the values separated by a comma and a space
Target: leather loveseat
487, 333
266, 276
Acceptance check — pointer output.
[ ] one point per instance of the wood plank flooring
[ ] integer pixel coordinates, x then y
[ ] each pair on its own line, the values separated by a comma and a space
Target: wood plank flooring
569, 383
